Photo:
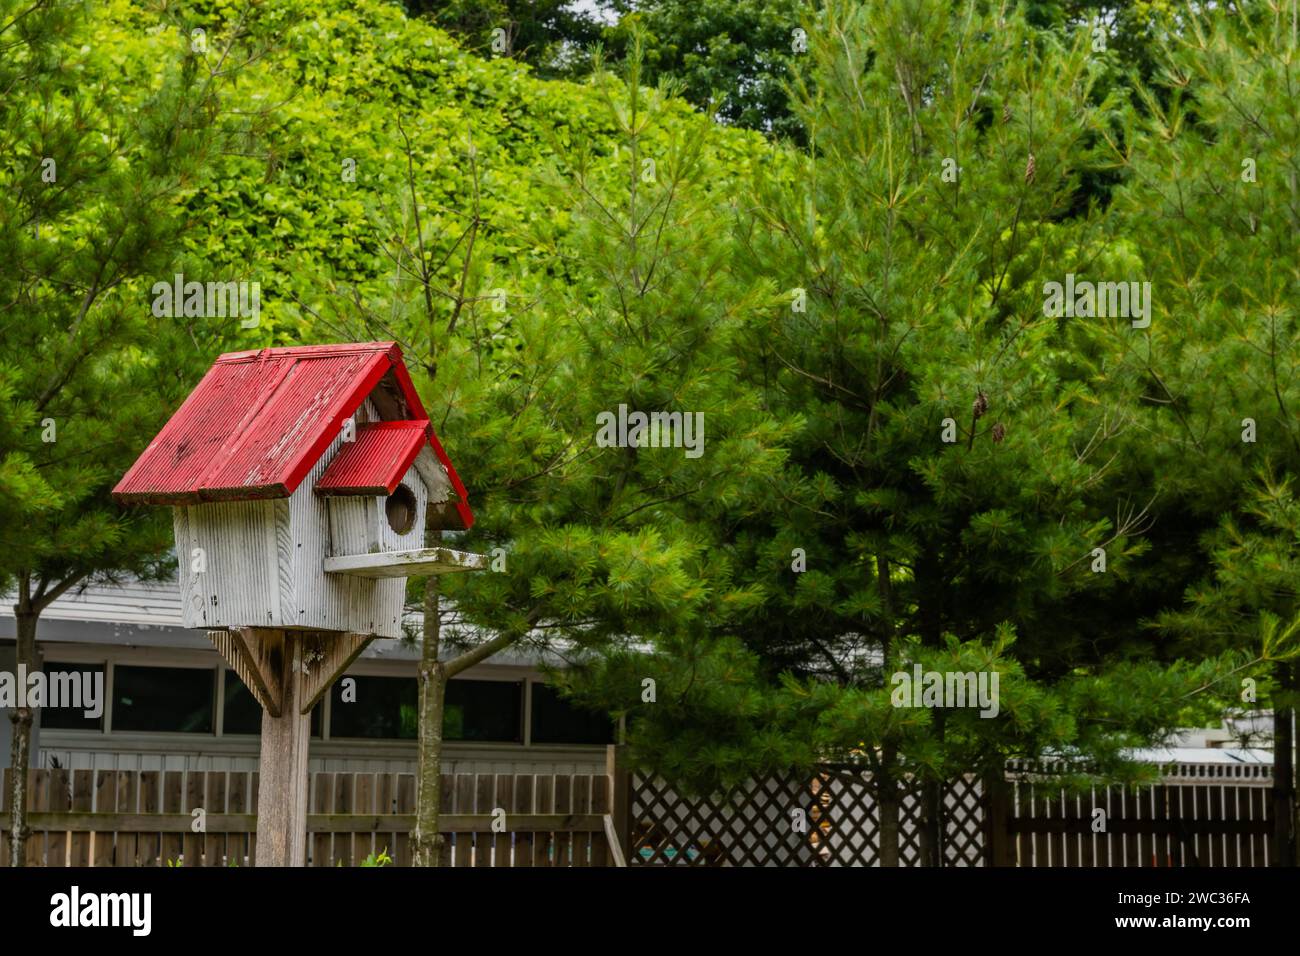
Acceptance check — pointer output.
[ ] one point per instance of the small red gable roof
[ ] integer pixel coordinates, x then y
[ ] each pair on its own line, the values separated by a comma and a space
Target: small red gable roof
259, 421
375, 462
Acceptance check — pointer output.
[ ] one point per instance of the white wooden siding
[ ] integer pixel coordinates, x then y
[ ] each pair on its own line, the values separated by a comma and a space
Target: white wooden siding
240, 585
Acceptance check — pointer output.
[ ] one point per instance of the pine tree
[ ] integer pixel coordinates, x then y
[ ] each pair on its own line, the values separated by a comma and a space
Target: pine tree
1212, 155
594, 541
960, 486
89, 217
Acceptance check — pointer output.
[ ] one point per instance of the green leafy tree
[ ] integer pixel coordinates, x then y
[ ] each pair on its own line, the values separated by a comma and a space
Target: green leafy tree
963, 486
730, 58
555, 37
395, 195
93, 175
1211, 154
591, 543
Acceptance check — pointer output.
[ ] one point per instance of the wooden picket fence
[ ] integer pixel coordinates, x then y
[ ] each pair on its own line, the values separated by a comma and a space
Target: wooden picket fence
1218, 816
149, 818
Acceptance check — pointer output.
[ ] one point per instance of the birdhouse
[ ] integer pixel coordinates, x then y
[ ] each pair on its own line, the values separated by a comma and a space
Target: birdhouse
300, 480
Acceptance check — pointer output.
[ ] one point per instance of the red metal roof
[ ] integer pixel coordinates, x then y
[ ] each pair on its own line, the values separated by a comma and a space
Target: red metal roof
375, 462
258, 421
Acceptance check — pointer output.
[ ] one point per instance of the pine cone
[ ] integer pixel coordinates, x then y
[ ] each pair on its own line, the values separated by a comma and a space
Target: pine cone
981, 404
1029, 169
999, 433
1006, 114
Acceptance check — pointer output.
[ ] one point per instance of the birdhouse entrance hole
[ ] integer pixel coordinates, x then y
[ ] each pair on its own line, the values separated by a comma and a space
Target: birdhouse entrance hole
400, 509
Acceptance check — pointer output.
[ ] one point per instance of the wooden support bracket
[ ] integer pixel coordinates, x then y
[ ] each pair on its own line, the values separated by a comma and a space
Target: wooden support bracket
257, 656
325, 658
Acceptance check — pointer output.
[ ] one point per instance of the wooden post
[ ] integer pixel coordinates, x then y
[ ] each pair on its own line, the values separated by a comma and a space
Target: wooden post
287, 672
620, 804
1284, 849
999, 842
282, 780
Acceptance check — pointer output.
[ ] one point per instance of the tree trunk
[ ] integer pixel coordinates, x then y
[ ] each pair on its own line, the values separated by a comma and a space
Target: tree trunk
1284, 808
932, 824
890, 807
887, 796
22, 717
929, 579
426, 841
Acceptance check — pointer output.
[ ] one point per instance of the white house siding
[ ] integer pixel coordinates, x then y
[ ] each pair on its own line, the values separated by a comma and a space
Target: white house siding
336, 602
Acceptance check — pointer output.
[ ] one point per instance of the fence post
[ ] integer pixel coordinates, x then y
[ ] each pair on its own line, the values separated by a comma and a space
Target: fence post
620, 810
1284, 849
999, 843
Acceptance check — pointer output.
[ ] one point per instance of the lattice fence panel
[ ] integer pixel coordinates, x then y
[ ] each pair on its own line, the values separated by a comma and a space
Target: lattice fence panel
750, 826
828, 818
964, 828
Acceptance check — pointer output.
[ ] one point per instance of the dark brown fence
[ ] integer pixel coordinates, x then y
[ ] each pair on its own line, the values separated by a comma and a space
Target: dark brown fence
196, 818
1200, 815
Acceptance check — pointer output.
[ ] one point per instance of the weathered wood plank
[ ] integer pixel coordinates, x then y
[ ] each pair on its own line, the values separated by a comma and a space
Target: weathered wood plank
105, 800
363, 843
191, 842
282, 778
543, 802
1041, 808
600, 801
581, 842
484, 802
1161, 847
148, 844
322, 844
560, 841
237, 803
505, 799
56, 843
225, 823
522, 854
1232, 838
421, 562
343, 804
463, 854
404, 804
336, 654
214, 802
1258, 814
447, 805
38, 795
82, 802
128, 783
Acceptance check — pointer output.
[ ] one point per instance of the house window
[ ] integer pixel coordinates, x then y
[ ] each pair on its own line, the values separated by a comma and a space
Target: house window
89, 687
168, 699
242, 714
387, 708
557, 721
486, 710
383, 708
